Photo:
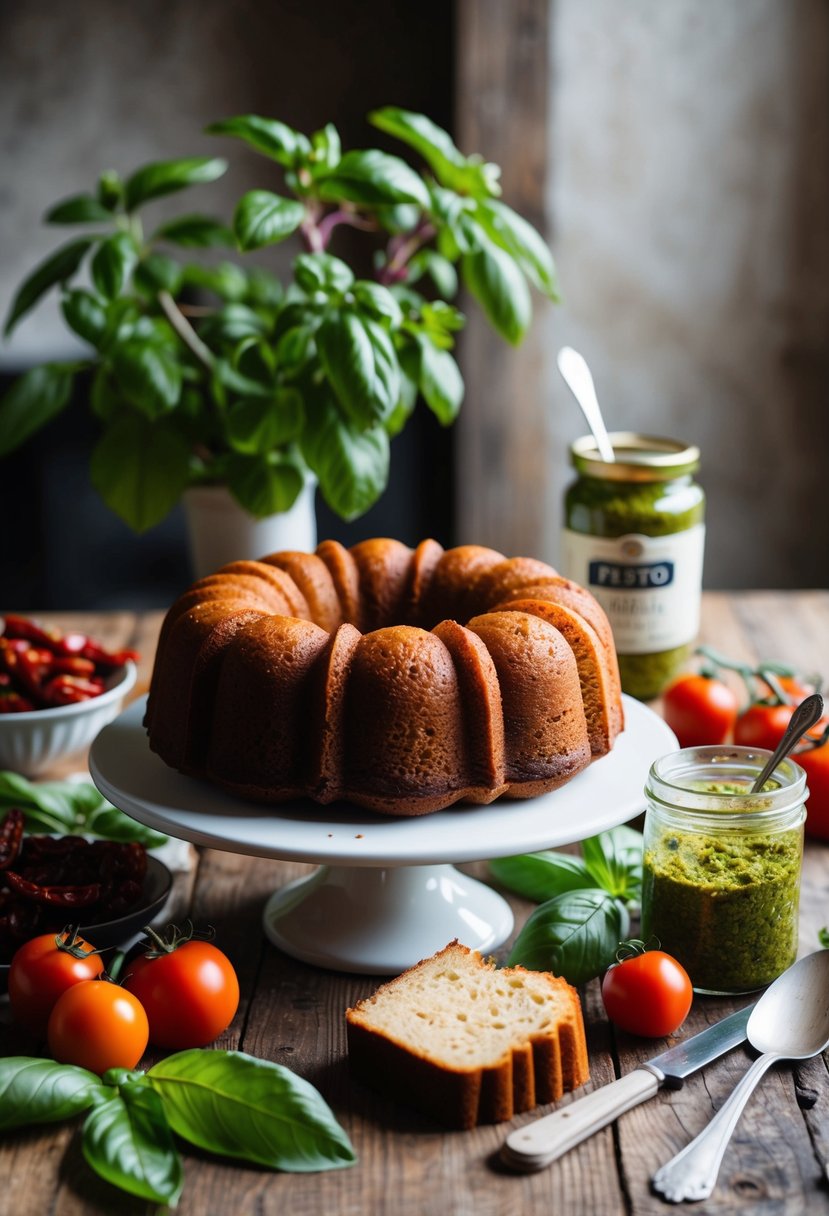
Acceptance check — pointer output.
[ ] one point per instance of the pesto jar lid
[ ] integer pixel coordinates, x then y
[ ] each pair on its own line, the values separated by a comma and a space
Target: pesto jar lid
638, 457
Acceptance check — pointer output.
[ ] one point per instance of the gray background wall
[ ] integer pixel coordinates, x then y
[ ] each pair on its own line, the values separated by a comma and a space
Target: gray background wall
678, 158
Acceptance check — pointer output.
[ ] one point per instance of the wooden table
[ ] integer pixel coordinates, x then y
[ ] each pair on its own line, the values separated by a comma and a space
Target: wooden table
293, 1013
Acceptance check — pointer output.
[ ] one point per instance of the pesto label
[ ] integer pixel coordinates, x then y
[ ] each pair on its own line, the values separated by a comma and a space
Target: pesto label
649, 586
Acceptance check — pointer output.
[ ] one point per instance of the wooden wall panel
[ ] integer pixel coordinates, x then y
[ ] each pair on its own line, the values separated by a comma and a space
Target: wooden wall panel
503, 96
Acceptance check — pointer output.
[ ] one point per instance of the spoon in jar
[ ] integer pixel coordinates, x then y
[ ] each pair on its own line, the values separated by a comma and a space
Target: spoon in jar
789, 1022
575, 371
805, 715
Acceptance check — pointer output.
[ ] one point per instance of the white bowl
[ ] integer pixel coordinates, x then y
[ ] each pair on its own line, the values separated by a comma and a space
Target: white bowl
32, 742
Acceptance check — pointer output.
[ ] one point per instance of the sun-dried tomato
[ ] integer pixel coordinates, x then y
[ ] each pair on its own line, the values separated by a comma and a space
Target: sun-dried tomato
11, 837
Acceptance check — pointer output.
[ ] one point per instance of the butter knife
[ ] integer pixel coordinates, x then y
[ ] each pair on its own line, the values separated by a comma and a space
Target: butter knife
539, 1143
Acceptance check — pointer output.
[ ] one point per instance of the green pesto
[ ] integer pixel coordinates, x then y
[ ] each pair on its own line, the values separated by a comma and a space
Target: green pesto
725, 906
609, 509
645, 676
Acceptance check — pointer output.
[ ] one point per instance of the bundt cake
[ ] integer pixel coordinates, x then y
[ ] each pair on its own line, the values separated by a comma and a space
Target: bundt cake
403, 680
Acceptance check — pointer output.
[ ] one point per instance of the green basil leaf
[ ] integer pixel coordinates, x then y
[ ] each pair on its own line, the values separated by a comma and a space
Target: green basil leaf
168, 176
128, 1142
40, 1091
108, 823
292, 349
402, 217
149, 372
440, 381
440, 317
195, 232
361, 365
823, 937
226, 280
140, 469
232, 323
234, 1104
262, 218
113, 263
42, 797
79, 209
326, 146
266, 135
229, 377
257, 425
440, 270
264, 485
375, 179
85, 314
575, 934
614, 859
451, 211
255, 357
322, 272
352, 464
409, 358
518, 237
104, 398
264, 288
110, 191
501, 290
56, 269
156, 273
34, 399
378, 302
71, 806
541, 876
468, 174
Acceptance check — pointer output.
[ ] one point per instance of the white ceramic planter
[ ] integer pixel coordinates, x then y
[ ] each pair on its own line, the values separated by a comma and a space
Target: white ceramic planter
221, 531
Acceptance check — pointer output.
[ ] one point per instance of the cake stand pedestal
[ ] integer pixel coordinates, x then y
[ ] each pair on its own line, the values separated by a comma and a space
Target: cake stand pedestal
386, 893
377, 921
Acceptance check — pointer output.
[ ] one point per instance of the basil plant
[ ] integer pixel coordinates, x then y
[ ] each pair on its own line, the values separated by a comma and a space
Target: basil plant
220, 373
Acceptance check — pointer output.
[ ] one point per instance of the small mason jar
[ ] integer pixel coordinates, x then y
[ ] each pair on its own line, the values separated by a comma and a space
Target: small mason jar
721, 876
634, 535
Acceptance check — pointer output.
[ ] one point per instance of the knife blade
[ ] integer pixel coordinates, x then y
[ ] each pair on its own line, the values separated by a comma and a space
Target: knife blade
539, 1143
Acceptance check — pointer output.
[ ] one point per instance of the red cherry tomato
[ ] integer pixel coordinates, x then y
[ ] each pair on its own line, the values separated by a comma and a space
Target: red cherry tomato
816, 763
762, 725
97, 1025
700, 709
648, 994
190, 993
42, 970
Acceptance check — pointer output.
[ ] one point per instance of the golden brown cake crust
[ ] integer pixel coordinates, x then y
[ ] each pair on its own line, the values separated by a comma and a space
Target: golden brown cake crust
450, 684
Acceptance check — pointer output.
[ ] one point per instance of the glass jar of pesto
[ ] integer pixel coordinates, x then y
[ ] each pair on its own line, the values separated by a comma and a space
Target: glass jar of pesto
634, 535
721, 875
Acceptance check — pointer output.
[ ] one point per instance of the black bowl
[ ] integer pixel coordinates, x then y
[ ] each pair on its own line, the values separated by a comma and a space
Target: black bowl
157, 884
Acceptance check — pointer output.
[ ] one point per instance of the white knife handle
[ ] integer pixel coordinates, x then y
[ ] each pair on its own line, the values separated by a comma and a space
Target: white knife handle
537, 1144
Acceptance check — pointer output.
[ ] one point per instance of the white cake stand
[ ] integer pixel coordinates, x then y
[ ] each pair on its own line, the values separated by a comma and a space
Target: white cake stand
386, 894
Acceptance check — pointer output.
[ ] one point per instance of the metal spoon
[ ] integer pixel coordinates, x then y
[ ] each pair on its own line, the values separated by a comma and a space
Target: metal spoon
807, 714
789, 1022
575, 371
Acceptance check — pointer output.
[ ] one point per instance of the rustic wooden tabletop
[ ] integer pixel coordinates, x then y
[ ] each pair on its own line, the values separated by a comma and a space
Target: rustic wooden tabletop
778, 1160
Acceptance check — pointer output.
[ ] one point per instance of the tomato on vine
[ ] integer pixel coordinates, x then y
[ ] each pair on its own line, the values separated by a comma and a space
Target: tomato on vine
188, 988
98, 1025
42, 969
815, 761
647, 992
762, 725
700, 709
